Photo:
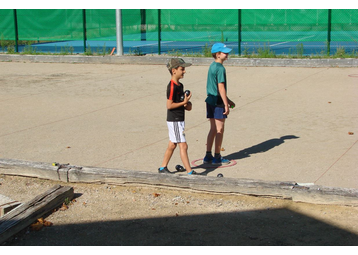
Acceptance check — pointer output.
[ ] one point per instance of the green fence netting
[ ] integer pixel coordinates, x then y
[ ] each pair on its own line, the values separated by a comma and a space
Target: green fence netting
206, 25
7, 26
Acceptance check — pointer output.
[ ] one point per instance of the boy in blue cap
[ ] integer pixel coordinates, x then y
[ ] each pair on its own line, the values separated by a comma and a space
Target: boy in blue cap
217, 104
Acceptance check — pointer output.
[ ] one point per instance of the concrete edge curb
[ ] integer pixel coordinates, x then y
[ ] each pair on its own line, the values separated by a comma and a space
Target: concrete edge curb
162, 60
308, 193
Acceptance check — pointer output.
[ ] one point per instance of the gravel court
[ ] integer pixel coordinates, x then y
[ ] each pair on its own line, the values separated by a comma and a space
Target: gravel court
289, 123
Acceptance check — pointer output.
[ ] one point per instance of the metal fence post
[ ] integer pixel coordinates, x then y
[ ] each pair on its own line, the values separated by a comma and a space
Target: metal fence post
84, 29
239, 32
143, 25
119, 28
16, 32
159, 31
329, 32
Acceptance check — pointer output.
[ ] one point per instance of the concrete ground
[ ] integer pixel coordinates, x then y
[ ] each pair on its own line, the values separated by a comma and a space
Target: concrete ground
290, 123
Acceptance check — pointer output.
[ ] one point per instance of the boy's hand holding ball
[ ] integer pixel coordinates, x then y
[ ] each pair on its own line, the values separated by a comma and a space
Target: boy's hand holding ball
187, 96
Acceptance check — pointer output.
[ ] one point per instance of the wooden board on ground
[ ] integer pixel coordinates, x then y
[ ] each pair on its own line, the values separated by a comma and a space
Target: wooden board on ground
25, 214
7, 204
276, 189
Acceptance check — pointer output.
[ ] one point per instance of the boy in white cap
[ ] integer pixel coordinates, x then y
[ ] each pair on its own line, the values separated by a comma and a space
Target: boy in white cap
177, 103
217, 104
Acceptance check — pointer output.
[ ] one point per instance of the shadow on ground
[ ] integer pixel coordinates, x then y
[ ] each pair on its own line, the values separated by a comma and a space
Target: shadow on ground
245, 153
255, 228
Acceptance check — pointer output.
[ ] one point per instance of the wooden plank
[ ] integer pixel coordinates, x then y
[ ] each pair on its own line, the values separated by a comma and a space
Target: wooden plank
7, 204
25, 214
29, 169
283, 190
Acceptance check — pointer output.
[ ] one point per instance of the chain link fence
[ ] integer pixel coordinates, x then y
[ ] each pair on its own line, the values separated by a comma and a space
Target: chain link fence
163, 30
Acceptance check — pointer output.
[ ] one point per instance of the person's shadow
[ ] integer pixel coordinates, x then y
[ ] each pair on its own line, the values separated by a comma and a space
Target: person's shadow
259, 148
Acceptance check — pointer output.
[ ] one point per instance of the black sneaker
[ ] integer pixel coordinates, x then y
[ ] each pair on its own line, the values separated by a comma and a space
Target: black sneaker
164, 171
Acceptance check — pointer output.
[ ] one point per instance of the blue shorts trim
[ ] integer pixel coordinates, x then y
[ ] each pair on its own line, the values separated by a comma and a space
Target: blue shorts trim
215, 112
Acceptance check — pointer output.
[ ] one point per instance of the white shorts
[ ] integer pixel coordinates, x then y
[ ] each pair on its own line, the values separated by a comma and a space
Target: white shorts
176, 131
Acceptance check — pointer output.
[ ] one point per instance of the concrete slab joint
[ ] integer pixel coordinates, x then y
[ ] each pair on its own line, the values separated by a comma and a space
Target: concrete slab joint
159, 60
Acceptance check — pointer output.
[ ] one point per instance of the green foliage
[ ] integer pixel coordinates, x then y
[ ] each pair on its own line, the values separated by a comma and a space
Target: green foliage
67, 50
2, 43
207, 51
101, 51
8, 46
67, 201
10, 49
266, 52
300, 50
88, 51
29, 50
137, 52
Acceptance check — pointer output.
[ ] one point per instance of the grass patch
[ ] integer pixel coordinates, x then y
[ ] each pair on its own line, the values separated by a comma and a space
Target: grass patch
8, 46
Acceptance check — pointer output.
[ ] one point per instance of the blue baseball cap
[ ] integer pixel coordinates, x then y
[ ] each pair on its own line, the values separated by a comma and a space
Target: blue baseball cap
220, 47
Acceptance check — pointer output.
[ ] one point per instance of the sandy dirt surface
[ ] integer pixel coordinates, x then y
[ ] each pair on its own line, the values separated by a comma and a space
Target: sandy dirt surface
109, 115
145, 215
289, 124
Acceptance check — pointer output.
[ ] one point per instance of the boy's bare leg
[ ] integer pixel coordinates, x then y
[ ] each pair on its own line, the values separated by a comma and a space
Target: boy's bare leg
219, 123
168, 153
211, 135
184, 156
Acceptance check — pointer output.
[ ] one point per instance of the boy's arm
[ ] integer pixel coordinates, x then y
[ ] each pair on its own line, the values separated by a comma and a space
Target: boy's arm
171, 105
222, 92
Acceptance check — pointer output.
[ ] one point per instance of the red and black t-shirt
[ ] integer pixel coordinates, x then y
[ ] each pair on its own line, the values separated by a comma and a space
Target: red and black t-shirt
174, 92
